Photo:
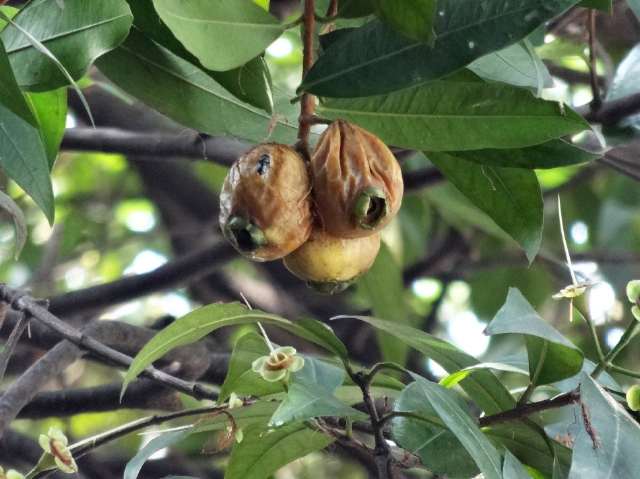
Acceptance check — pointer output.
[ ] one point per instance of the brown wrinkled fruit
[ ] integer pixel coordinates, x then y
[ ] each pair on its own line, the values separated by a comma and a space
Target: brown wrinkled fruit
330, 264
357, 181
265, 204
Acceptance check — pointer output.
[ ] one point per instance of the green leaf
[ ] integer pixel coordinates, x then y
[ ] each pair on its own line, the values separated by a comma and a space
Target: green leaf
19, 224
306, 401
438, 448
465, 429
510, 196
250, 82
483, 387
458, 114
9, 12
203, 321
167, 439
603, 5
240, 378
51, 111
413, 18
224, 34
22, 152
454, 378
263, 451
617, 435
517, 65
75, 34
376, 59
257, 413
552, 154
635, 7
188, 94
384, 288
562, 359
319, 373
512, 468
625, 82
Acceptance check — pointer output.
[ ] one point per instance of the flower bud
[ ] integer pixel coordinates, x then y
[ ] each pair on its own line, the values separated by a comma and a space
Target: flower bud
633, 398
330, 264
265, 204
357, 181
633, 290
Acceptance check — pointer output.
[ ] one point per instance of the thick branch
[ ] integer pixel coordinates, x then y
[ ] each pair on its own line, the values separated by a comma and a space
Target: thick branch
613, 111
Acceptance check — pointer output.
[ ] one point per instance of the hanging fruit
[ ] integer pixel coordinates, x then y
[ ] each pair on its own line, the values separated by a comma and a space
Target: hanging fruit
265, 203
357, 181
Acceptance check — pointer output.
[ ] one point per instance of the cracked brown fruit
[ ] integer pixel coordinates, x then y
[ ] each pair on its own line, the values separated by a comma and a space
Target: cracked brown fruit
357, 181
265, 204
330, 264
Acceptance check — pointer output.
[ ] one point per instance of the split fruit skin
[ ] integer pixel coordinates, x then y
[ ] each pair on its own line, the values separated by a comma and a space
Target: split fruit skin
330, 264
265, 203
357, 181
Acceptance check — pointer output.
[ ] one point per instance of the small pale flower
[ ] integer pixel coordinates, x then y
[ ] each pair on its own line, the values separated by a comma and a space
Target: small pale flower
633, 291
571, 291
279, 364
57, 444
635, 310
235, 401
10, 474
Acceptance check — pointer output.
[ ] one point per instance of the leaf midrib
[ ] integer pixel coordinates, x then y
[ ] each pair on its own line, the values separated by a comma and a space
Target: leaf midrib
251, 25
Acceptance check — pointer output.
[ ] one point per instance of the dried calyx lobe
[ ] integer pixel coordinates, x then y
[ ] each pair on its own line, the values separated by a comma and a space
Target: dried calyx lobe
265, 206
357, 181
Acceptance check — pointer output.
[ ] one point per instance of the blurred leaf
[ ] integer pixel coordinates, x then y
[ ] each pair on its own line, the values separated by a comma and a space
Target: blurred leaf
75, 34
263, 451
552, 154
465, 429
512, 468
547, 348
223, 35
510, 196
458, 114
625, 82
203, 321
22, 152
603, 5
240, 378
384, 288
376, 59
518, 65
250, 82
635, 7
608, 448
51, 111
187, 94
19, 223
165, 440
438, 448
413, 18
454, 378
483, 387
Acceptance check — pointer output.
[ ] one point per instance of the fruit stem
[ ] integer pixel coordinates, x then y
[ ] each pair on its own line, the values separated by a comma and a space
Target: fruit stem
308, 102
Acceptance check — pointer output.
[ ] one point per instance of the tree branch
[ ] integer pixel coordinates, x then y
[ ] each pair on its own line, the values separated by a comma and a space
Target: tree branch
613, 111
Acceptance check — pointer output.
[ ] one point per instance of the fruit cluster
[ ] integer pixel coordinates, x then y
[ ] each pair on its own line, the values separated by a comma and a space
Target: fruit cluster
323, 218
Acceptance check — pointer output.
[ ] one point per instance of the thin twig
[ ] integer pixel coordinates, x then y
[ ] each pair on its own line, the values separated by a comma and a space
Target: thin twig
596, 101
12, 342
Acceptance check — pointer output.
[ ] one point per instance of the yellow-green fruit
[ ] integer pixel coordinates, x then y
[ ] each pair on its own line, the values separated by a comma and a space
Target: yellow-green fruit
633, 398
265, 203
329, 264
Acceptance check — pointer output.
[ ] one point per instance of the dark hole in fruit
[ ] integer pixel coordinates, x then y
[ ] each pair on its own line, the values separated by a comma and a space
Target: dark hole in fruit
263, 164
244, 240
375, 211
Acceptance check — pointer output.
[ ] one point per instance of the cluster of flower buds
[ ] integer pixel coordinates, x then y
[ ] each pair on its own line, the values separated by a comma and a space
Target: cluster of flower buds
323, 218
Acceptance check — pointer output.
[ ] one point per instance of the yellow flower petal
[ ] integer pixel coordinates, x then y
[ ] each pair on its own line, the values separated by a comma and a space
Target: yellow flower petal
297, 364
258, 365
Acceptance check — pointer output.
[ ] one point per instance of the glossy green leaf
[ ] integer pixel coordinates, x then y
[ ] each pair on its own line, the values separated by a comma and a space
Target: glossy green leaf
561, 358
464, 428
316, 372
413, 18
458, 114
610, 449
19, 224
250, 82
437, 447
50, 109
240, 377
518, 65
510, 196
224, 34
75, 34
22, 152
257, 413
483, 387
512, 468
203, 321
376, 59
552, 154
383, 285
454, 378
188, 94
8, 11
263, 451
167, 439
